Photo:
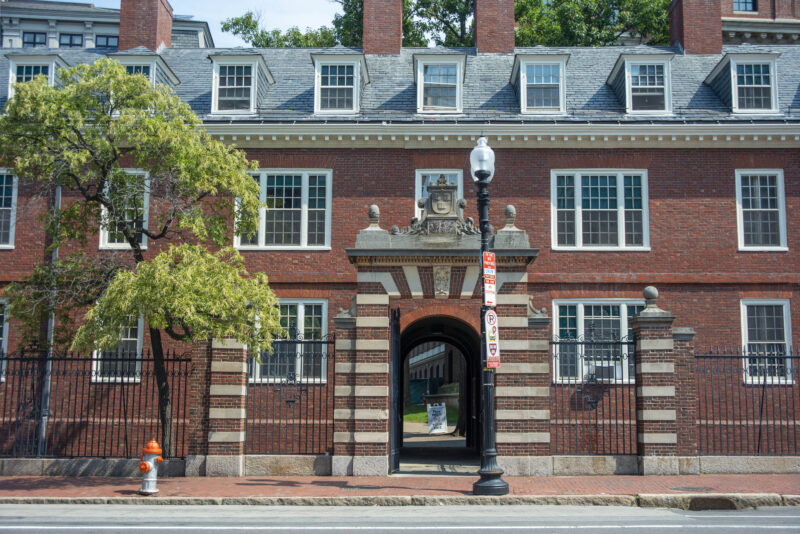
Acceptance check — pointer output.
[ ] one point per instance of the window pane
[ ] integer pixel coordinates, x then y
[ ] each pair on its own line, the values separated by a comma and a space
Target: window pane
34, 39
647, 87
766, 336
6, 207
599, 206
567, 353
284, 210
754, 86
26, 73
565, 203
235, 85
138, 69
634, 234
543, 91
317, 198
70, 40
121, 361
107, 41
127, 211
602, 323
744, 5
440, 86
760, 210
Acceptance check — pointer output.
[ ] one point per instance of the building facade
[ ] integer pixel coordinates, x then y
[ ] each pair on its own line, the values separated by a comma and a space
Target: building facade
617, 168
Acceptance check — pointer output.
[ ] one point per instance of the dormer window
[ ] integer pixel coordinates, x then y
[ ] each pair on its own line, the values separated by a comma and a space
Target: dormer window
539, 81
440, 83
25, 68
237, 81
754, 87
151, 66
338, 81
746, 82
642, 82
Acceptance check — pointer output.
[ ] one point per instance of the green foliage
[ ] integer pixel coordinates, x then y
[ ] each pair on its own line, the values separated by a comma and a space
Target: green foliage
347, 29
83, 133
447, 22
191, 294
248, 28
63, 286
590, 22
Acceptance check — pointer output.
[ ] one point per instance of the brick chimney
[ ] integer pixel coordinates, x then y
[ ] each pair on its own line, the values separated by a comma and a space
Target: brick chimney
383, 26
494, 26
146, 23
696, 25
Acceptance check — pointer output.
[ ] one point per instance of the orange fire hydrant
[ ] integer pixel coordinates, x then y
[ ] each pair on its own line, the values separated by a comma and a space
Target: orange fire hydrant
151, 457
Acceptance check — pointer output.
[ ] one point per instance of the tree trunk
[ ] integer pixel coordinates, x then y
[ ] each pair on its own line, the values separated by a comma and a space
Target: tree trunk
164, 399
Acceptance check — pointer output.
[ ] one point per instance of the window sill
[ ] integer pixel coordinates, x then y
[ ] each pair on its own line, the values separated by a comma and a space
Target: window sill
279, 382
658, 112
769, 382
6, 247
763, 249
119, 380
434, 113
757, 112
544, 113
337, 112
600, 249
119, 247
289, 248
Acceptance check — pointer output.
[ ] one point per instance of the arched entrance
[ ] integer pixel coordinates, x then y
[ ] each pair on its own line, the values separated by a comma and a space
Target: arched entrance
439, 362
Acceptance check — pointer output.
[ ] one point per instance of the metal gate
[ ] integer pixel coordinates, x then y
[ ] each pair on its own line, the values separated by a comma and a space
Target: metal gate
593, 396
290, 398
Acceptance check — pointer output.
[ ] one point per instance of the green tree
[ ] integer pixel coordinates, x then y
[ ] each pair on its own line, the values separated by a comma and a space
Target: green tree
590, 22
80, 136
347, 29
447, 22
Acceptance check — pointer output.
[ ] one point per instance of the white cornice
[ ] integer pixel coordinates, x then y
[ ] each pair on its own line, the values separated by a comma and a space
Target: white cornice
576, 136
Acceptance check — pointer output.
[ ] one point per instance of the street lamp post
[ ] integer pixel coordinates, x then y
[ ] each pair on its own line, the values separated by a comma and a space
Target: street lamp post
491, 482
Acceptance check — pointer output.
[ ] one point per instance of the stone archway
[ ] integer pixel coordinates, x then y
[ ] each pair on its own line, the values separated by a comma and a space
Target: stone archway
429, 269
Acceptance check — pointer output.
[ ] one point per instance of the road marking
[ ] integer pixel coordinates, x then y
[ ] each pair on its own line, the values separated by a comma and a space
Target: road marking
391, 528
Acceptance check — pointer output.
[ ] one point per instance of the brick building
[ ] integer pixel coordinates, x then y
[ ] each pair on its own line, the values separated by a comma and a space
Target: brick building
627, 166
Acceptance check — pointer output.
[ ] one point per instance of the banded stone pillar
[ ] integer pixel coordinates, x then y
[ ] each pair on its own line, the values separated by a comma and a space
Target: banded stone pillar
656, 406
361, 392
522, 391
523, 407
227, 410
687, 400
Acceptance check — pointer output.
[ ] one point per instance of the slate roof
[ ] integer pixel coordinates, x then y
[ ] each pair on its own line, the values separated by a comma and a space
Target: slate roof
488, 94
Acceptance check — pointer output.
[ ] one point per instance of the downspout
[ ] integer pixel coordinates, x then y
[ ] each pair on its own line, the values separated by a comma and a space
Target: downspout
51, 324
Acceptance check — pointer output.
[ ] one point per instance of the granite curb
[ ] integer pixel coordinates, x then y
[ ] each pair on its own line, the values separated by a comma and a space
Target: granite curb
699, 501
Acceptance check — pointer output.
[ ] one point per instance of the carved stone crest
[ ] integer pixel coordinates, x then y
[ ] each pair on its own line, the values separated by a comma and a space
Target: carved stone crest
441, 213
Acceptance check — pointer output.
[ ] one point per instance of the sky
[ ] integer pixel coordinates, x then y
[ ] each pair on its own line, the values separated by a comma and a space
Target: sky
280, 14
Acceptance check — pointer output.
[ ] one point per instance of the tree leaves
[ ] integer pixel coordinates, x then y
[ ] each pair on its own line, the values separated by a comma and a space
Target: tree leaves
191, 294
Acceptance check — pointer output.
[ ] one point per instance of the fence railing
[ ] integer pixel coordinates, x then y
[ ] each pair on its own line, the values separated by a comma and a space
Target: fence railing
748, 401
593, 397
100, 406
290, 398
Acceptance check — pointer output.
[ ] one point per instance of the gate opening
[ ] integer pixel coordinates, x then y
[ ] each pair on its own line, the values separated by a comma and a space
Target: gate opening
439, 365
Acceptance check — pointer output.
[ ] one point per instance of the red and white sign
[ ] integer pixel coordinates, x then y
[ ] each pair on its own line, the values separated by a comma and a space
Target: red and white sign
492, 340
489, 280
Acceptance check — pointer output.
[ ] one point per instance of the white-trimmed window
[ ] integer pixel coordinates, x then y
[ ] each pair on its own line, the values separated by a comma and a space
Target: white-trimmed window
581, 322
337, 90
766, 336
426, 177
8, 208
753, 82
122, 363
440, 84
543, 88
133, 204
648, 87
303, 356
144, 70
599, 210
298, 212
761, 210
236, 82
24, 68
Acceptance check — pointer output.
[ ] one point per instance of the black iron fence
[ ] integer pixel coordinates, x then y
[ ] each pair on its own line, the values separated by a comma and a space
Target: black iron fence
748, 401
593, 397
100, 406
290, 398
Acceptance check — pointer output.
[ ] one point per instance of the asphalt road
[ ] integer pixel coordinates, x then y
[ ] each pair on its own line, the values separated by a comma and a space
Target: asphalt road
445, 519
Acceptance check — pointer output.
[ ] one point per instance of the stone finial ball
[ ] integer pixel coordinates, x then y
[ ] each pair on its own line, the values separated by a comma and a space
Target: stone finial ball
650, 293
511, 211
374, 211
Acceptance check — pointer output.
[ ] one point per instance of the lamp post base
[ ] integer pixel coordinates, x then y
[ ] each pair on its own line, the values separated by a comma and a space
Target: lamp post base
490, 483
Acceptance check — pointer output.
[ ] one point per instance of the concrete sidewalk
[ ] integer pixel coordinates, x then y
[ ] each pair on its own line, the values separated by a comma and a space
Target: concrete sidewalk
686, 491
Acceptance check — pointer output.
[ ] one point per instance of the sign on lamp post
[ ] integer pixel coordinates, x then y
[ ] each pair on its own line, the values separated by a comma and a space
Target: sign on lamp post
492, 340
489, 280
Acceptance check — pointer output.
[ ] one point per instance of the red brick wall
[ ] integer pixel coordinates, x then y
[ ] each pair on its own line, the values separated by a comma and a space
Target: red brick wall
703, 35
494, 26
383, 26
767, 9
146, 23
